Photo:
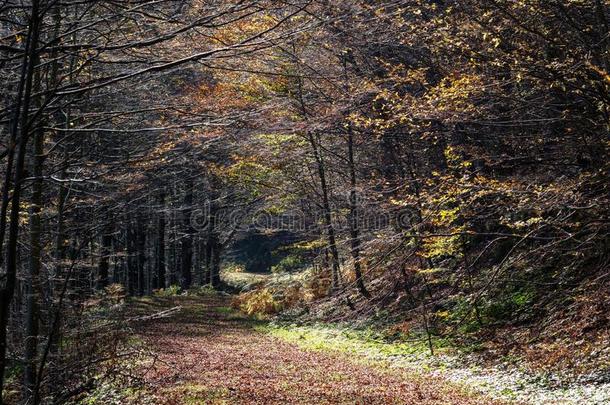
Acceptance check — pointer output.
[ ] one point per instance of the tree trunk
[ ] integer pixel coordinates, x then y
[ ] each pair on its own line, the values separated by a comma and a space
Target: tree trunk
330, 230
60, 256
187, 237
215, 264
201, 259
161, 243
353, 214
132, 261
33, 282
141, 254
104, 266
207, 275
6, 294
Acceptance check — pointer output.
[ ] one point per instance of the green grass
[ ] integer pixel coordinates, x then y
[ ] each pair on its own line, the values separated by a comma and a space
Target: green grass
369, 348
341, 339
203, 291
240, 279
192, 394
225, 310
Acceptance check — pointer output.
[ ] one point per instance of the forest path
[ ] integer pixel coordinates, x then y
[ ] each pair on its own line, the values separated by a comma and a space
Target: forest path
208, 354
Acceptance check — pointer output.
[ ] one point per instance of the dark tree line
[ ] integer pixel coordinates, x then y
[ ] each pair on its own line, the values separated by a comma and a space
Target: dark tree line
99, 182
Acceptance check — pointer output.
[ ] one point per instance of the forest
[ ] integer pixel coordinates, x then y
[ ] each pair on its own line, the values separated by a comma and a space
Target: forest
304, 202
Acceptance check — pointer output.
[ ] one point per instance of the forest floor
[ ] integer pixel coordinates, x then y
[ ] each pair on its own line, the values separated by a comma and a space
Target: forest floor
568, 371
206, 353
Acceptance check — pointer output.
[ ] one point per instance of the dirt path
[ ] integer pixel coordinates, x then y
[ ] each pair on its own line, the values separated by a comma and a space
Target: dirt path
209, 355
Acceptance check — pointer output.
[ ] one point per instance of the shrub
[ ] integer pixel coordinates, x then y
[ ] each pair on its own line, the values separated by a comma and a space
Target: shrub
288, 264
259, 302
318, 284
203, 290
115, 293
292, 295
171, 291
234, 268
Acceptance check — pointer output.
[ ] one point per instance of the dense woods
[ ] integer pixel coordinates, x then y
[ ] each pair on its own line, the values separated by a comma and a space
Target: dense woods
436, 166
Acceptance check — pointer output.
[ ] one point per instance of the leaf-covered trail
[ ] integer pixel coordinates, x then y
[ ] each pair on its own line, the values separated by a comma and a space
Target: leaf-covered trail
207, 354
